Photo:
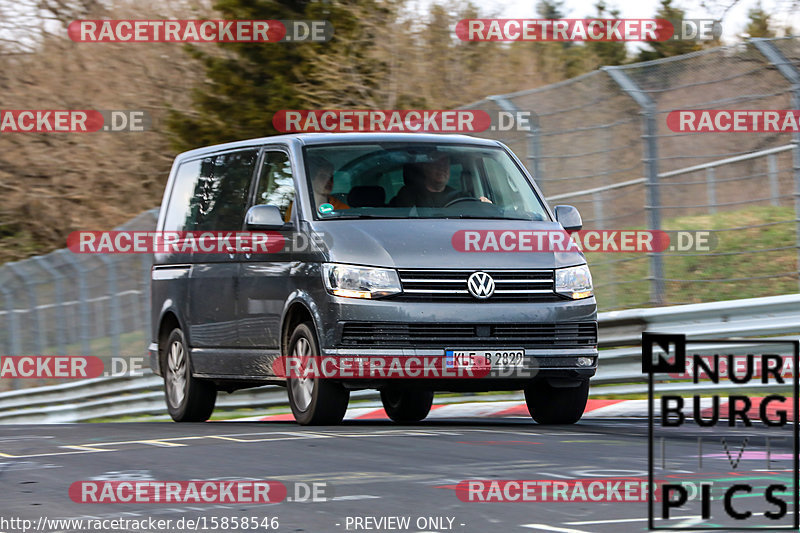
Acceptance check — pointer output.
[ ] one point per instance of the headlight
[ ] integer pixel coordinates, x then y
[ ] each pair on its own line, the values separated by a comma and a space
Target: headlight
360, 282
574, 282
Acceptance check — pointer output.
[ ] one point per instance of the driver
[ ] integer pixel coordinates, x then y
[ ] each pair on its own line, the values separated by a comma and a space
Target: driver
432, 189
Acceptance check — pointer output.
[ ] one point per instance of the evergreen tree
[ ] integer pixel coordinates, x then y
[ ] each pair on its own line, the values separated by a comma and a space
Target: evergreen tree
607, 52
671, 47
758, 23
247, 83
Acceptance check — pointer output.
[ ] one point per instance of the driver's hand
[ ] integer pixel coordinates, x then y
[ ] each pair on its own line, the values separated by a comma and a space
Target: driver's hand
484, 199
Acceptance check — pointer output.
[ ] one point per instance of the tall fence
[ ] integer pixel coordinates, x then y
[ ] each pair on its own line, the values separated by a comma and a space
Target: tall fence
64, 303
600, 142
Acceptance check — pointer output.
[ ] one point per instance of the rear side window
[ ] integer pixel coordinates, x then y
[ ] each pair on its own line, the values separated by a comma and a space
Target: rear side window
211, 193
181, 197
276, 187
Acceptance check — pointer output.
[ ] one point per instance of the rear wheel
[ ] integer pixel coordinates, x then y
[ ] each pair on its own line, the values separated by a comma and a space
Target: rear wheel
314, 401
556, 405
407, 405
188, 399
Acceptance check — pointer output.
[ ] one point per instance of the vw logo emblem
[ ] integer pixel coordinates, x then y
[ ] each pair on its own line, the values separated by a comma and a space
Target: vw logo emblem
480, 285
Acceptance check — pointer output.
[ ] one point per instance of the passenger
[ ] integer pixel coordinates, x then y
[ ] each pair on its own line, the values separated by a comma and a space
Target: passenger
322, 184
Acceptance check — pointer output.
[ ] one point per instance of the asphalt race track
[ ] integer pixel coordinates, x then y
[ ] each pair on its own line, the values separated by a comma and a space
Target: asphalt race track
369, 469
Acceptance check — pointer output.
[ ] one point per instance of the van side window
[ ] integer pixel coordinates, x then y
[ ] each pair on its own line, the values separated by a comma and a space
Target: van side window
220, 196
276, 187
179, 200
211, 193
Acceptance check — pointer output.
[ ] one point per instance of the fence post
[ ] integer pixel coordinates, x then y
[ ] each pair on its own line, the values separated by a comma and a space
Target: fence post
37, 324
147, 263
533, 153
711, 190
61, 326
792, 74
774, 185
83, 298
13, 331
535, 150
650, 160
597, 205
113, 300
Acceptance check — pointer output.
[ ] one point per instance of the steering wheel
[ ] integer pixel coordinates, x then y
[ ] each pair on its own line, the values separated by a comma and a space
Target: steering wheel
461, 199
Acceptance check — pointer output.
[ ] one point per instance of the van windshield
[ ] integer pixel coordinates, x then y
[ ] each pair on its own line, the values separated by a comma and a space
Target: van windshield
415, 180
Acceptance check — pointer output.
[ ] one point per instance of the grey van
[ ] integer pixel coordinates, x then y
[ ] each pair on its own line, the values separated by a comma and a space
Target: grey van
382, 275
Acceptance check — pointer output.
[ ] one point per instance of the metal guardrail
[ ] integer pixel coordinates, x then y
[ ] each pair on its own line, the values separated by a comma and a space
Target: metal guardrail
619, 372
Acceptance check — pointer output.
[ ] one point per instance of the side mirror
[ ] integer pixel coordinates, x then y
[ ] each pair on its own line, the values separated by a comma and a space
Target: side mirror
263, 217
568, 217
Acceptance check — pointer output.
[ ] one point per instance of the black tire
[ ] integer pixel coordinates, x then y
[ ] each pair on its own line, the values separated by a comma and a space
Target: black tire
314, 401
556, 405
188, 399
407, 405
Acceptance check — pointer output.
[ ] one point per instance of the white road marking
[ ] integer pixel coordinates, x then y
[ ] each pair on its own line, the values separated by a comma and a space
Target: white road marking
624, 520
545, 527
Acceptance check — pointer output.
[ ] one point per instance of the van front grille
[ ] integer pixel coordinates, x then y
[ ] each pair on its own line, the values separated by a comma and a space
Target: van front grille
564, 335
451, 286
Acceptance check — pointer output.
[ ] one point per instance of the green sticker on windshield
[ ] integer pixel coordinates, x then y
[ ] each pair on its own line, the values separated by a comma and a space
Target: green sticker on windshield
325, 208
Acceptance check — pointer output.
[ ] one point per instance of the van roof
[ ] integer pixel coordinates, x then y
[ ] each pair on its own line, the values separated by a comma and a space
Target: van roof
335, 138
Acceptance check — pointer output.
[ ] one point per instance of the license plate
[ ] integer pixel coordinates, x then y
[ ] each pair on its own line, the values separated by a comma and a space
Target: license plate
483, 358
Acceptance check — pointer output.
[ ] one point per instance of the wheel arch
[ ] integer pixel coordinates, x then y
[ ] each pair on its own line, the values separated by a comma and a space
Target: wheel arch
299, 308
169, 321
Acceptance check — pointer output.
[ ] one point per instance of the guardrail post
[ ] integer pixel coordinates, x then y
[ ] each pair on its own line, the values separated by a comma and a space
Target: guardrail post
533, 149
650, 160
774, 185
792, 74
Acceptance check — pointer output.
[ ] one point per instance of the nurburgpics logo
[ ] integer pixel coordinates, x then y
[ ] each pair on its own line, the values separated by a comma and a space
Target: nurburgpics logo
723, 412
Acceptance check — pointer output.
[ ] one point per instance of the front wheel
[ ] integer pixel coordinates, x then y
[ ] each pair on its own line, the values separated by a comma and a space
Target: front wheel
188, 399
556, 405
406, 405
314, 401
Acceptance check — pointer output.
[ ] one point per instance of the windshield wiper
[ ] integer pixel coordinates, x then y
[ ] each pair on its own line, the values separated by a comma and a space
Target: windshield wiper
463, 215
359, 215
